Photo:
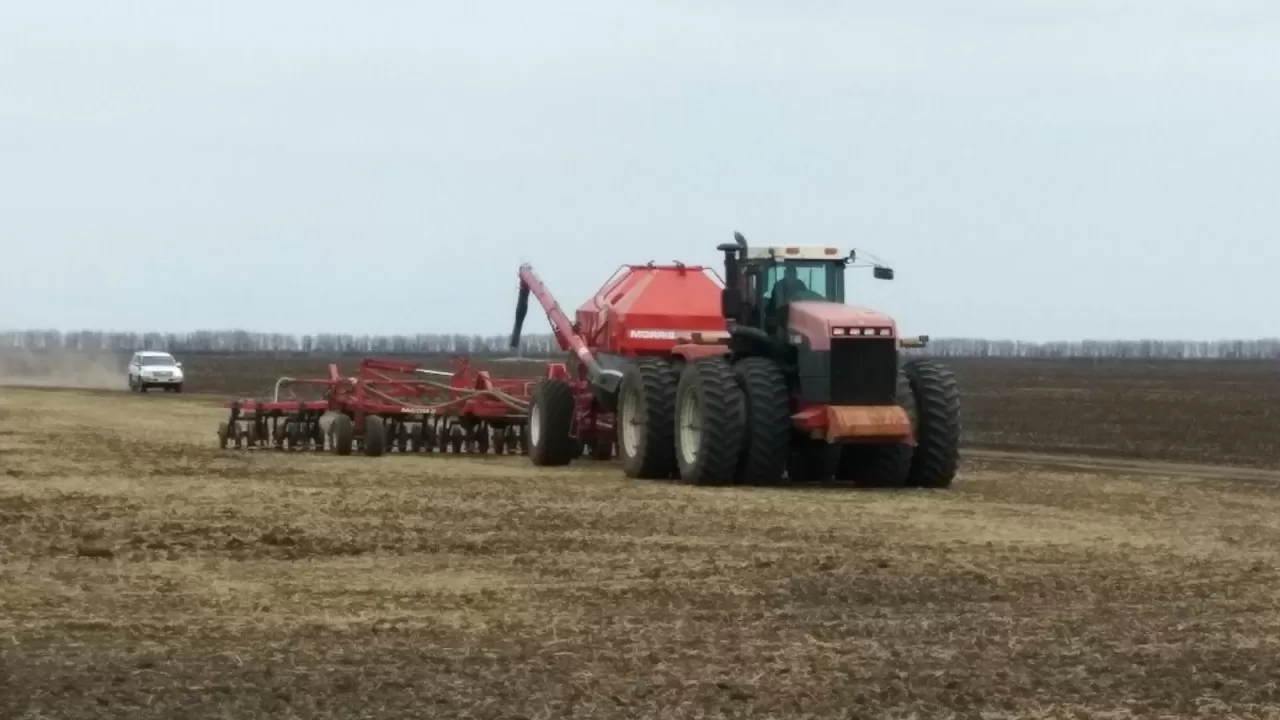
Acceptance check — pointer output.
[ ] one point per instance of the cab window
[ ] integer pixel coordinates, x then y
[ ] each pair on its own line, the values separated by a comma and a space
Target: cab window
802, 281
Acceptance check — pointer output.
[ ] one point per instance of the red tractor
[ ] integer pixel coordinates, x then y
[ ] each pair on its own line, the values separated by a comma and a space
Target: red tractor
771, 376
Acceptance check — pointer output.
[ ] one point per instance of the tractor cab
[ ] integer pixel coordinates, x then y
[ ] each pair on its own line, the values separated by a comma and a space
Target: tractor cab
773, 278
762, 281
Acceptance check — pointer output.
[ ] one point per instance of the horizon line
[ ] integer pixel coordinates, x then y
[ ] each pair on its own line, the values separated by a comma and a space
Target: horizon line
299, 335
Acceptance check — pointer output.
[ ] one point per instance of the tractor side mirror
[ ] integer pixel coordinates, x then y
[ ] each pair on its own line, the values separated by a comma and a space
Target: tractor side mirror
730, 303
882, 273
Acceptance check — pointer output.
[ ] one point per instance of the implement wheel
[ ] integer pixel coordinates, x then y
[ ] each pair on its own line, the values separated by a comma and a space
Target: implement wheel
375, 435
710, 422
767, 441
646, 419
937, 424
550, 421
343, 434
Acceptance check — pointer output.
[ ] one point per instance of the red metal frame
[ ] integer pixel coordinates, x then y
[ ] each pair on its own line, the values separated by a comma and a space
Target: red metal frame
396, 391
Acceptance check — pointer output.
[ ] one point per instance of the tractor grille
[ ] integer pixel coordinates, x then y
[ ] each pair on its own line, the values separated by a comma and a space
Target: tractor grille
864, 371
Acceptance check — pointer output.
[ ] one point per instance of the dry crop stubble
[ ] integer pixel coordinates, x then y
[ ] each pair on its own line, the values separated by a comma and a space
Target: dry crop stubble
145, 573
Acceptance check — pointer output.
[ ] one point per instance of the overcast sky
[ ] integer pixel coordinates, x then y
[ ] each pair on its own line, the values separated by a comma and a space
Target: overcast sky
1031, 169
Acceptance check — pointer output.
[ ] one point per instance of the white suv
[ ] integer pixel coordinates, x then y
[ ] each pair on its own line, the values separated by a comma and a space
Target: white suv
149, 368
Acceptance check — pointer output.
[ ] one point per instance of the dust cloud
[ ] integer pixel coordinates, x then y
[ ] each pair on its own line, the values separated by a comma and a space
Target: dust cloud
62, 369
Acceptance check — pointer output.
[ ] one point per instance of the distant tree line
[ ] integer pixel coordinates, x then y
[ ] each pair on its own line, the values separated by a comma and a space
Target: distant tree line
542, 345
1260, 349
242, 341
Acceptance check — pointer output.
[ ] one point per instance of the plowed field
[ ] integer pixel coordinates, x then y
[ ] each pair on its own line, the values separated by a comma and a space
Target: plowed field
144, 573
1202, 411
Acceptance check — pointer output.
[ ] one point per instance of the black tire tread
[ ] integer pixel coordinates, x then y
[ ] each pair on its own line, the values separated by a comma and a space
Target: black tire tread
343, 431
658, 379
554, 399
767, 421
936, 458
723, 410
375, 435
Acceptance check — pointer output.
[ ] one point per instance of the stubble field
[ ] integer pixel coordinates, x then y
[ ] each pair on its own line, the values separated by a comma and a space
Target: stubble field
144, 573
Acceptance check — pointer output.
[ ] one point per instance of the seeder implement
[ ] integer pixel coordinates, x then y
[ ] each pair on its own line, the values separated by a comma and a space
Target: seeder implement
388, 406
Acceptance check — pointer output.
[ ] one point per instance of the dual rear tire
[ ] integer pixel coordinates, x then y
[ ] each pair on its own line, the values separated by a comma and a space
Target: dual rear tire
712, 422
706, 423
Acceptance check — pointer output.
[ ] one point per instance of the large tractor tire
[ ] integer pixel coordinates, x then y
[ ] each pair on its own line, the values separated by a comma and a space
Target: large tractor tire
880, 465
646, 419
767, 421
710, 422
937, 424
550, 423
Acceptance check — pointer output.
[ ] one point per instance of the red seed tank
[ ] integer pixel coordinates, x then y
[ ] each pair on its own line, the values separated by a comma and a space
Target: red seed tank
643, 309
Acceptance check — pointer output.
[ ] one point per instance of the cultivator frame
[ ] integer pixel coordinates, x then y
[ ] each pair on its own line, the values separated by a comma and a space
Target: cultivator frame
388, 406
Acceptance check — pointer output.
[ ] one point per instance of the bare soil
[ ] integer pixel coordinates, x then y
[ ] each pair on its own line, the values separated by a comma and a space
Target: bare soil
1206, 412
144, 573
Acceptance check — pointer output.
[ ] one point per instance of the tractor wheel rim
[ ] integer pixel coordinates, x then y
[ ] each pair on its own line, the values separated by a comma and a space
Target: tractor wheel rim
535, 426
690, 429
630, 423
